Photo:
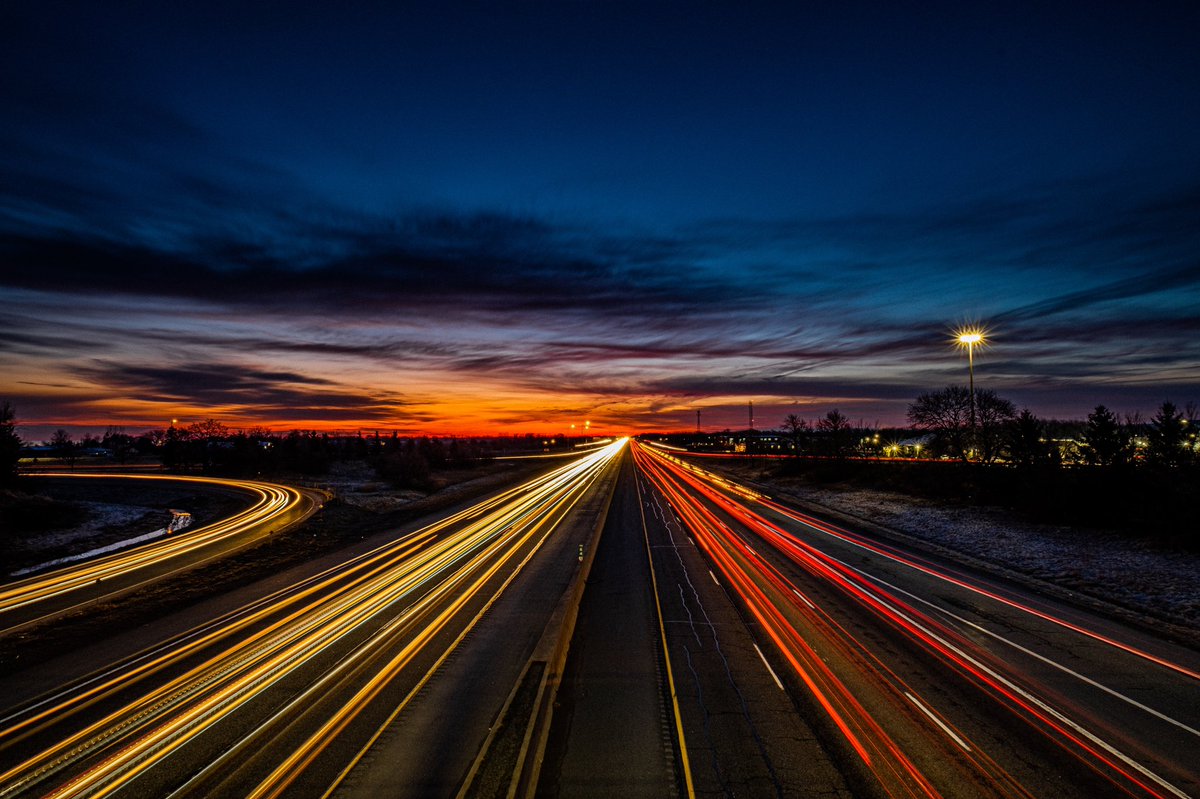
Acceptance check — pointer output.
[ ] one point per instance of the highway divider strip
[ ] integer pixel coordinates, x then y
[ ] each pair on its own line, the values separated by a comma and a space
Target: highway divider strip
549, 658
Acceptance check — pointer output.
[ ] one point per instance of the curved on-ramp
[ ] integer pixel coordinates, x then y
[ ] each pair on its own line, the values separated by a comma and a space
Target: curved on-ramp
33, 598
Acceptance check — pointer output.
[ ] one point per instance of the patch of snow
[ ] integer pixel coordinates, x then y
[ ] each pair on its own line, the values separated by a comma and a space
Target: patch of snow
179, 520
100, 516
91, 553
1125, 571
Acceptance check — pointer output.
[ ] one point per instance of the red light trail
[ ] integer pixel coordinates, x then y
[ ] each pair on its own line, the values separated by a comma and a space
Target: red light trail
871, 705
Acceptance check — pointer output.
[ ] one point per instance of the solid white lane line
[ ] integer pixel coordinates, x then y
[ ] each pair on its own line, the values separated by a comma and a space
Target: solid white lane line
1037, 656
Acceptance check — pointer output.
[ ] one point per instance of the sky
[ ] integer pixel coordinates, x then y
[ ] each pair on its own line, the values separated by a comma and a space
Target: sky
500, 218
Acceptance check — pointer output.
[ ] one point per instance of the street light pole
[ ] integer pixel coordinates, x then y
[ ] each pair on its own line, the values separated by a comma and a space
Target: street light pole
971, 379
968, 339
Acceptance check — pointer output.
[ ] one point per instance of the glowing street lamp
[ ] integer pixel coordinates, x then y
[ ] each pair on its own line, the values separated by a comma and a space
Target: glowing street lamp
970, 338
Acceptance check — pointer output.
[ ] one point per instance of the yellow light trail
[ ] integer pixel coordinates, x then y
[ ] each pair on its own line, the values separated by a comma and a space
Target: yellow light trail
273, 503
385, 605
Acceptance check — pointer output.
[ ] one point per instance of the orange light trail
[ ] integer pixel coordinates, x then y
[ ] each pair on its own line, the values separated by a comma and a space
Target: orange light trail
372, 615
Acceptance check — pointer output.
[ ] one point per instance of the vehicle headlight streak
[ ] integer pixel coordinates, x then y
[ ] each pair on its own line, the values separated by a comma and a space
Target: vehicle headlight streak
273, 501
678, 482
375, 597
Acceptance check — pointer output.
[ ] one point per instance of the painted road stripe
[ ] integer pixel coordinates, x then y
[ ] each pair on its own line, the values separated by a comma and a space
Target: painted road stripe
937, 721
770, 670
807, 601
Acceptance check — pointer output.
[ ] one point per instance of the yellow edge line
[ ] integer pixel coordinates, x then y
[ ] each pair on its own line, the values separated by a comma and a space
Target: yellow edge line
662, 631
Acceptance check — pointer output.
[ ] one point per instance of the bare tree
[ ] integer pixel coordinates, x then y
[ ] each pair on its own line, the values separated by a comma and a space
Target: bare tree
10, 444
796, 428
205, 436
993, 415
835, 427
174, 447
117, 441
63, 446
208, 430
947, 414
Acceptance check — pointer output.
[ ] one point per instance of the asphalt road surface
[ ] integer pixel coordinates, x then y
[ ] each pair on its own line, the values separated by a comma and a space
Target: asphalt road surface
725, 645
612, 733
924, 679
305, 691
727, 728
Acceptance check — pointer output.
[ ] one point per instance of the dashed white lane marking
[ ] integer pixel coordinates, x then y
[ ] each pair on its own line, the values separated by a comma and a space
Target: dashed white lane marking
770, 670
937, 721
807, 601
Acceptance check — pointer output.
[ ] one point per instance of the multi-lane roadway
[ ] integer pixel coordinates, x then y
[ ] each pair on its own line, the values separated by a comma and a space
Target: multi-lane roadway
726, 645
301, 691
922, 678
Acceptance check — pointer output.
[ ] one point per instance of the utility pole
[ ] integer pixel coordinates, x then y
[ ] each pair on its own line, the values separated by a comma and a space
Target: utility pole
750, 433
697, 421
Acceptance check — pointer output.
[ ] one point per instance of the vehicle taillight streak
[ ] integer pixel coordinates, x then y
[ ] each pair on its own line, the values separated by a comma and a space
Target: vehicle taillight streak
895, 772
789, 617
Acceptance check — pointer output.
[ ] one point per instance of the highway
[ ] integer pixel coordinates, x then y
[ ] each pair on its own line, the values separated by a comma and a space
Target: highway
707, 721
323, 687
920, 678
726, 644
52, 593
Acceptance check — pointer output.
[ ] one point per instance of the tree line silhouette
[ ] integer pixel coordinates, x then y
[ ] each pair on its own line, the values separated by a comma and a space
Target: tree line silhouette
1127, 474
941, 428
211, 447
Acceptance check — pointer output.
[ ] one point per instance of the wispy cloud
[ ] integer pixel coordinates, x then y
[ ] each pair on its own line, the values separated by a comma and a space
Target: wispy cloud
852, 308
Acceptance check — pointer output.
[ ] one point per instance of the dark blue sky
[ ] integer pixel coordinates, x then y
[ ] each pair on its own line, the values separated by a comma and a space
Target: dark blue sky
528, 214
